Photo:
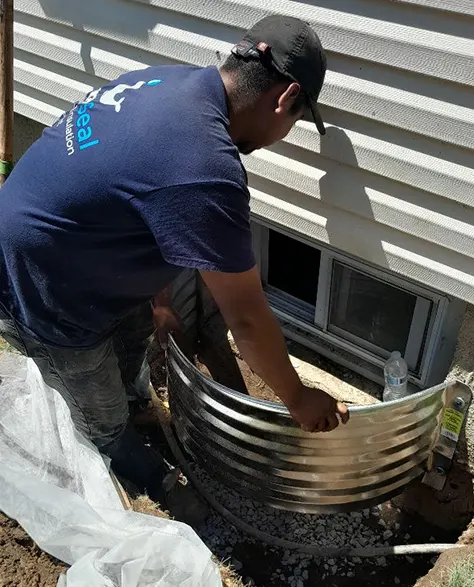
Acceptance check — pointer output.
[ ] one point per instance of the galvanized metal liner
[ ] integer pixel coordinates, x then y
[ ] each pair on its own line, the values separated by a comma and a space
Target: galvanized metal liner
254, 447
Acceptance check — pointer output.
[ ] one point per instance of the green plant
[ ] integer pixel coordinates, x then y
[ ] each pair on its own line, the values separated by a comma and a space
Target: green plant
4, 346
461, 575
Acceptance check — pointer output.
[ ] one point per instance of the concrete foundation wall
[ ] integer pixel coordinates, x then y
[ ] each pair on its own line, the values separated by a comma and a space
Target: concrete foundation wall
463, 369
453, 507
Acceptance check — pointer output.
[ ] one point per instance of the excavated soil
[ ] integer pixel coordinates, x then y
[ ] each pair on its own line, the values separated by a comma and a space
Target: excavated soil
253, 385
218, 357
440, 573
22, 563
452, 508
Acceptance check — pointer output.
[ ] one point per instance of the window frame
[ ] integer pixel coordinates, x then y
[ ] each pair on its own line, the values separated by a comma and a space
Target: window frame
428, 330
417, 331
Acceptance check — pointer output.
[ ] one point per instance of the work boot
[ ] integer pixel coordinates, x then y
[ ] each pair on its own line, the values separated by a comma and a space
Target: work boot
138, 463
182, 501
148, 471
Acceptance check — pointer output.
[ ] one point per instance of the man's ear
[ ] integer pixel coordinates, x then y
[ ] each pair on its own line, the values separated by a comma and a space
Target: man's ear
288, 97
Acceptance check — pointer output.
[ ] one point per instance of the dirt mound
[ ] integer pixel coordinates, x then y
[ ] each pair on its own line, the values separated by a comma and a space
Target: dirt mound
440, 573
451, 509
218, 357
22, 563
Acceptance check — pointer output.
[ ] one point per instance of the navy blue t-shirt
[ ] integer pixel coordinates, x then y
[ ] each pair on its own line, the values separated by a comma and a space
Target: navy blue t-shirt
133, 184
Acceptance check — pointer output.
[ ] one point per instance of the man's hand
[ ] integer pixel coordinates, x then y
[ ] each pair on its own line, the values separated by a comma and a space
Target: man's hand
316, 411
245, 308
166, 322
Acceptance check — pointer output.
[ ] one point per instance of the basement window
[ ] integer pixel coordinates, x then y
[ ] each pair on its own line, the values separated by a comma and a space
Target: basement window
361, 309
376, 315
293, 275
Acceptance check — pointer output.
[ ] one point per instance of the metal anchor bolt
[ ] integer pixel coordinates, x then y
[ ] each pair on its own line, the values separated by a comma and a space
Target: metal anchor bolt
459, 403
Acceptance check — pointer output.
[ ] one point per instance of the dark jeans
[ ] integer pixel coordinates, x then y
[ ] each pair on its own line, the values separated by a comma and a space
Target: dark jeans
96, 383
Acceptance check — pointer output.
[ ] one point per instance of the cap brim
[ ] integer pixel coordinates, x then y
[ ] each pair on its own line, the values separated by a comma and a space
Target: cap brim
317, 117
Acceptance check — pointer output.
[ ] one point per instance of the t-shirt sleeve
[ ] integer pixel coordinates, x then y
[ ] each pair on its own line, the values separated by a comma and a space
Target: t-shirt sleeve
201, 226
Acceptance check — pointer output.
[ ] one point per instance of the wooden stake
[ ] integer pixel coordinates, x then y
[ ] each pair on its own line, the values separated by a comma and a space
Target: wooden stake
6, 89
121, 492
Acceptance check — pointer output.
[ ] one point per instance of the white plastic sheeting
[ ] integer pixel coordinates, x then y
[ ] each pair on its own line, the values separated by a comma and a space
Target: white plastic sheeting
56, 485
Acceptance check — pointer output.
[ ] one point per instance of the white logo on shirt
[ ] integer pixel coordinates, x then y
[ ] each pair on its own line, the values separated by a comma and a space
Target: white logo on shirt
109, 97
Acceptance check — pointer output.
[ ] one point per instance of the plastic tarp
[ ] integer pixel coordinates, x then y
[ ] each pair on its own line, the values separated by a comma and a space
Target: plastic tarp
56, 485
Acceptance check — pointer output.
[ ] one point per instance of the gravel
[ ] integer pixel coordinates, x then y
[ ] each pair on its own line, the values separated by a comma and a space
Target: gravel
358, 529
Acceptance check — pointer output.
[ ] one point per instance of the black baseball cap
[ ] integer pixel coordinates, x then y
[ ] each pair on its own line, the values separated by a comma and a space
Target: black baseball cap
291, 47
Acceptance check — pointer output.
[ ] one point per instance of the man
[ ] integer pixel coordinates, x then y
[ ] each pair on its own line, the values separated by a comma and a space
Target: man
140, 180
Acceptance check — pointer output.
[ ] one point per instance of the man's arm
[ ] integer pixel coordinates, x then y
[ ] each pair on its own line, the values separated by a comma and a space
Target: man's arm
166, 320
163, 299
243, 304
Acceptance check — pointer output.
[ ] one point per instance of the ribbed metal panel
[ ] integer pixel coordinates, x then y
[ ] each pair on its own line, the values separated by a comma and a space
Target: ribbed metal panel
390, 183
254, 447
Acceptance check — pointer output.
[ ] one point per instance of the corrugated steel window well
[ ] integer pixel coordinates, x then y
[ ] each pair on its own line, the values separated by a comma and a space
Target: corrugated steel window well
254, 446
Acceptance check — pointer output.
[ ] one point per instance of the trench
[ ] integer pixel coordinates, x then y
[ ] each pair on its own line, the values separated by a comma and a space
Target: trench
394, 522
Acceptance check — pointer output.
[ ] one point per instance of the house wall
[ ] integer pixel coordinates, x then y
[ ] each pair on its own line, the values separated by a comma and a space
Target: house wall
25, 133
391, 182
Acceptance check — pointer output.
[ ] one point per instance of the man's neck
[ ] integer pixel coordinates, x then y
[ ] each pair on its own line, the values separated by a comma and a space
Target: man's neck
239, 117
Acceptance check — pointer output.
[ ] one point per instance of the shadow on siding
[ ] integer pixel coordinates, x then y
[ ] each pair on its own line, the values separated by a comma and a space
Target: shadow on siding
336, 186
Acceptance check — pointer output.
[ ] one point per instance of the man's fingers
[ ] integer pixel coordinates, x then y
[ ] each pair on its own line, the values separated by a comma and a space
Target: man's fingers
319, 426
163, 339
329, 423
307, 428
343, 411
332, 423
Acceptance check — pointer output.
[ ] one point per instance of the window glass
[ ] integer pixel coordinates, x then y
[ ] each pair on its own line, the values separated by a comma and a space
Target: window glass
370, 309
293, 267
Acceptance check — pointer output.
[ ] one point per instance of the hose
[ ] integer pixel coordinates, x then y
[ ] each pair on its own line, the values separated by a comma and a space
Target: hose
317, 551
